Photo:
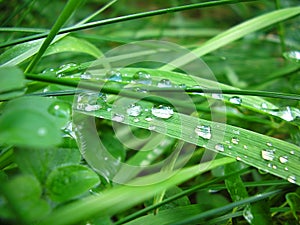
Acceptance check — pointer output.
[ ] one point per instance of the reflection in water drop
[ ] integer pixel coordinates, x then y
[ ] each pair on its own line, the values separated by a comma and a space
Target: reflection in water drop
162, 111
203, 131
164, 83
60, 109
235, 100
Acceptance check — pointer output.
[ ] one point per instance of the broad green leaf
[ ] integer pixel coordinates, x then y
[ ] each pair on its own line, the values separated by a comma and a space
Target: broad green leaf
238, 32
23, 193
28, 128
68, 182
123, 197
33, 122
73, 44
12, 82
40, 162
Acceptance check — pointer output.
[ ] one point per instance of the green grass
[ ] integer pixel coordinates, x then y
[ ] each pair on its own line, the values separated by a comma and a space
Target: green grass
115, 112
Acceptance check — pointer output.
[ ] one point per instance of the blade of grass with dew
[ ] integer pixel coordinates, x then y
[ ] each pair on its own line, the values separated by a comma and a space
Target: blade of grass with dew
238, 32
68, 10
120, 198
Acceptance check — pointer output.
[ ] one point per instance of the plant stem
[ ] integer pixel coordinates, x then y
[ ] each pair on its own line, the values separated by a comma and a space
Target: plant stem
125, 18
281, 30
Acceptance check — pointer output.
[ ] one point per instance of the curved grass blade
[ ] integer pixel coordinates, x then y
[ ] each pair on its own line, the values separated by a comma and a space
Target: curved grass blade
237, 32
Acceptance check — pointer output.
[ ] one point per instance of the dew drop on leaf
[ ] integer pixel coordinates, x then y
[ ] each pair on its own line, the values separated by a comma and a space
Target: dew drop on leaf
291, 179
63, 68
283, 159
235, 140
60, 109
151, 127
203, 131
118, 117
134, 110
86, 76
42, 131
268, 154
292, 55
219, 147
114, 75
269, 144
142, 77
164, 83
235, 100
162, 111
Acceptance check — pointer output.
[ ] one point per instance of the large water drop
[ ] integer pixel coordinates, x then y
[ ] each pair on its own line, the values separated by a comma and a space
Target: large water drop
164, 83
60, 109
268, 154
134, 110
162, 111
235, 100
203, 131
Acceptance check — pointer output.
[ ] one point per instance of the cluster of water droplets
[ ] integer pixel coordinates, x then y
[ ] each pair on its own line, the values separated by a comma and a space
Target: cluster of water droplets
90, 101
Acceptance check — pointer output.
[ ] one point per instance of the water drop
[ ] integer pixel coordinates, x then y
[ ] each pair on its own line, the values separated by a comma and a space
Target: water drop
269, 144
142, 77
182, 86
238, 158
245, 147
203, 131
64, 68
237, 132
162, 111
148, 119
235, 100
86, 76
118, 117
292, 152
42, 131
268, 154
264, 105
235, 140
292, 179
217, 96
134, 110
90, 101
60, 109
283, 159
49, 71
114, 75
144, 163
136, 120
219, 147
164, 83
292, 55
151, 127
286, 168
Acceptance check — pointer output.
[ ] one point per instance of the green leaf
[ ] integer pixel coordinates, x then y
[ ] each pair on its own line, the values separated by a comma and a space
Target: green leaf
28, 128
33, 121
40, 162
73, 44
68, 182
12, 82
23, 196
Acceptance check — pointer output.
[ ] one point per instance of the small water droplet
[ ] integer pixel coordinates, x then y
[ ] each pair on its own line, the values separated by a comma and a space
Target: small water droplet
136, 120
237, 132
235, 140
142, 77
203, 131
292, 179
42, 131
86, 76
49, 71
283, 159
269, 144
63, 68
114, 75
217, 96
144, 163
238, 158
90, 101
292, 152
292, 55
105, 158
245, 147
134, 110
235, 100
182, 86
164, 83
264, 105
268, 154
148, 119
118, 117
286, 168
219, 147
60, 109
151, 127
162, 111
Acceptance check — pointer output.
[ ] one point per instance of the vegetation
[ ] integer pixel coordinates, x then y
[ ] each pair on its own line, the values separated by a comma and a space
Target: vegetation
159, 112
